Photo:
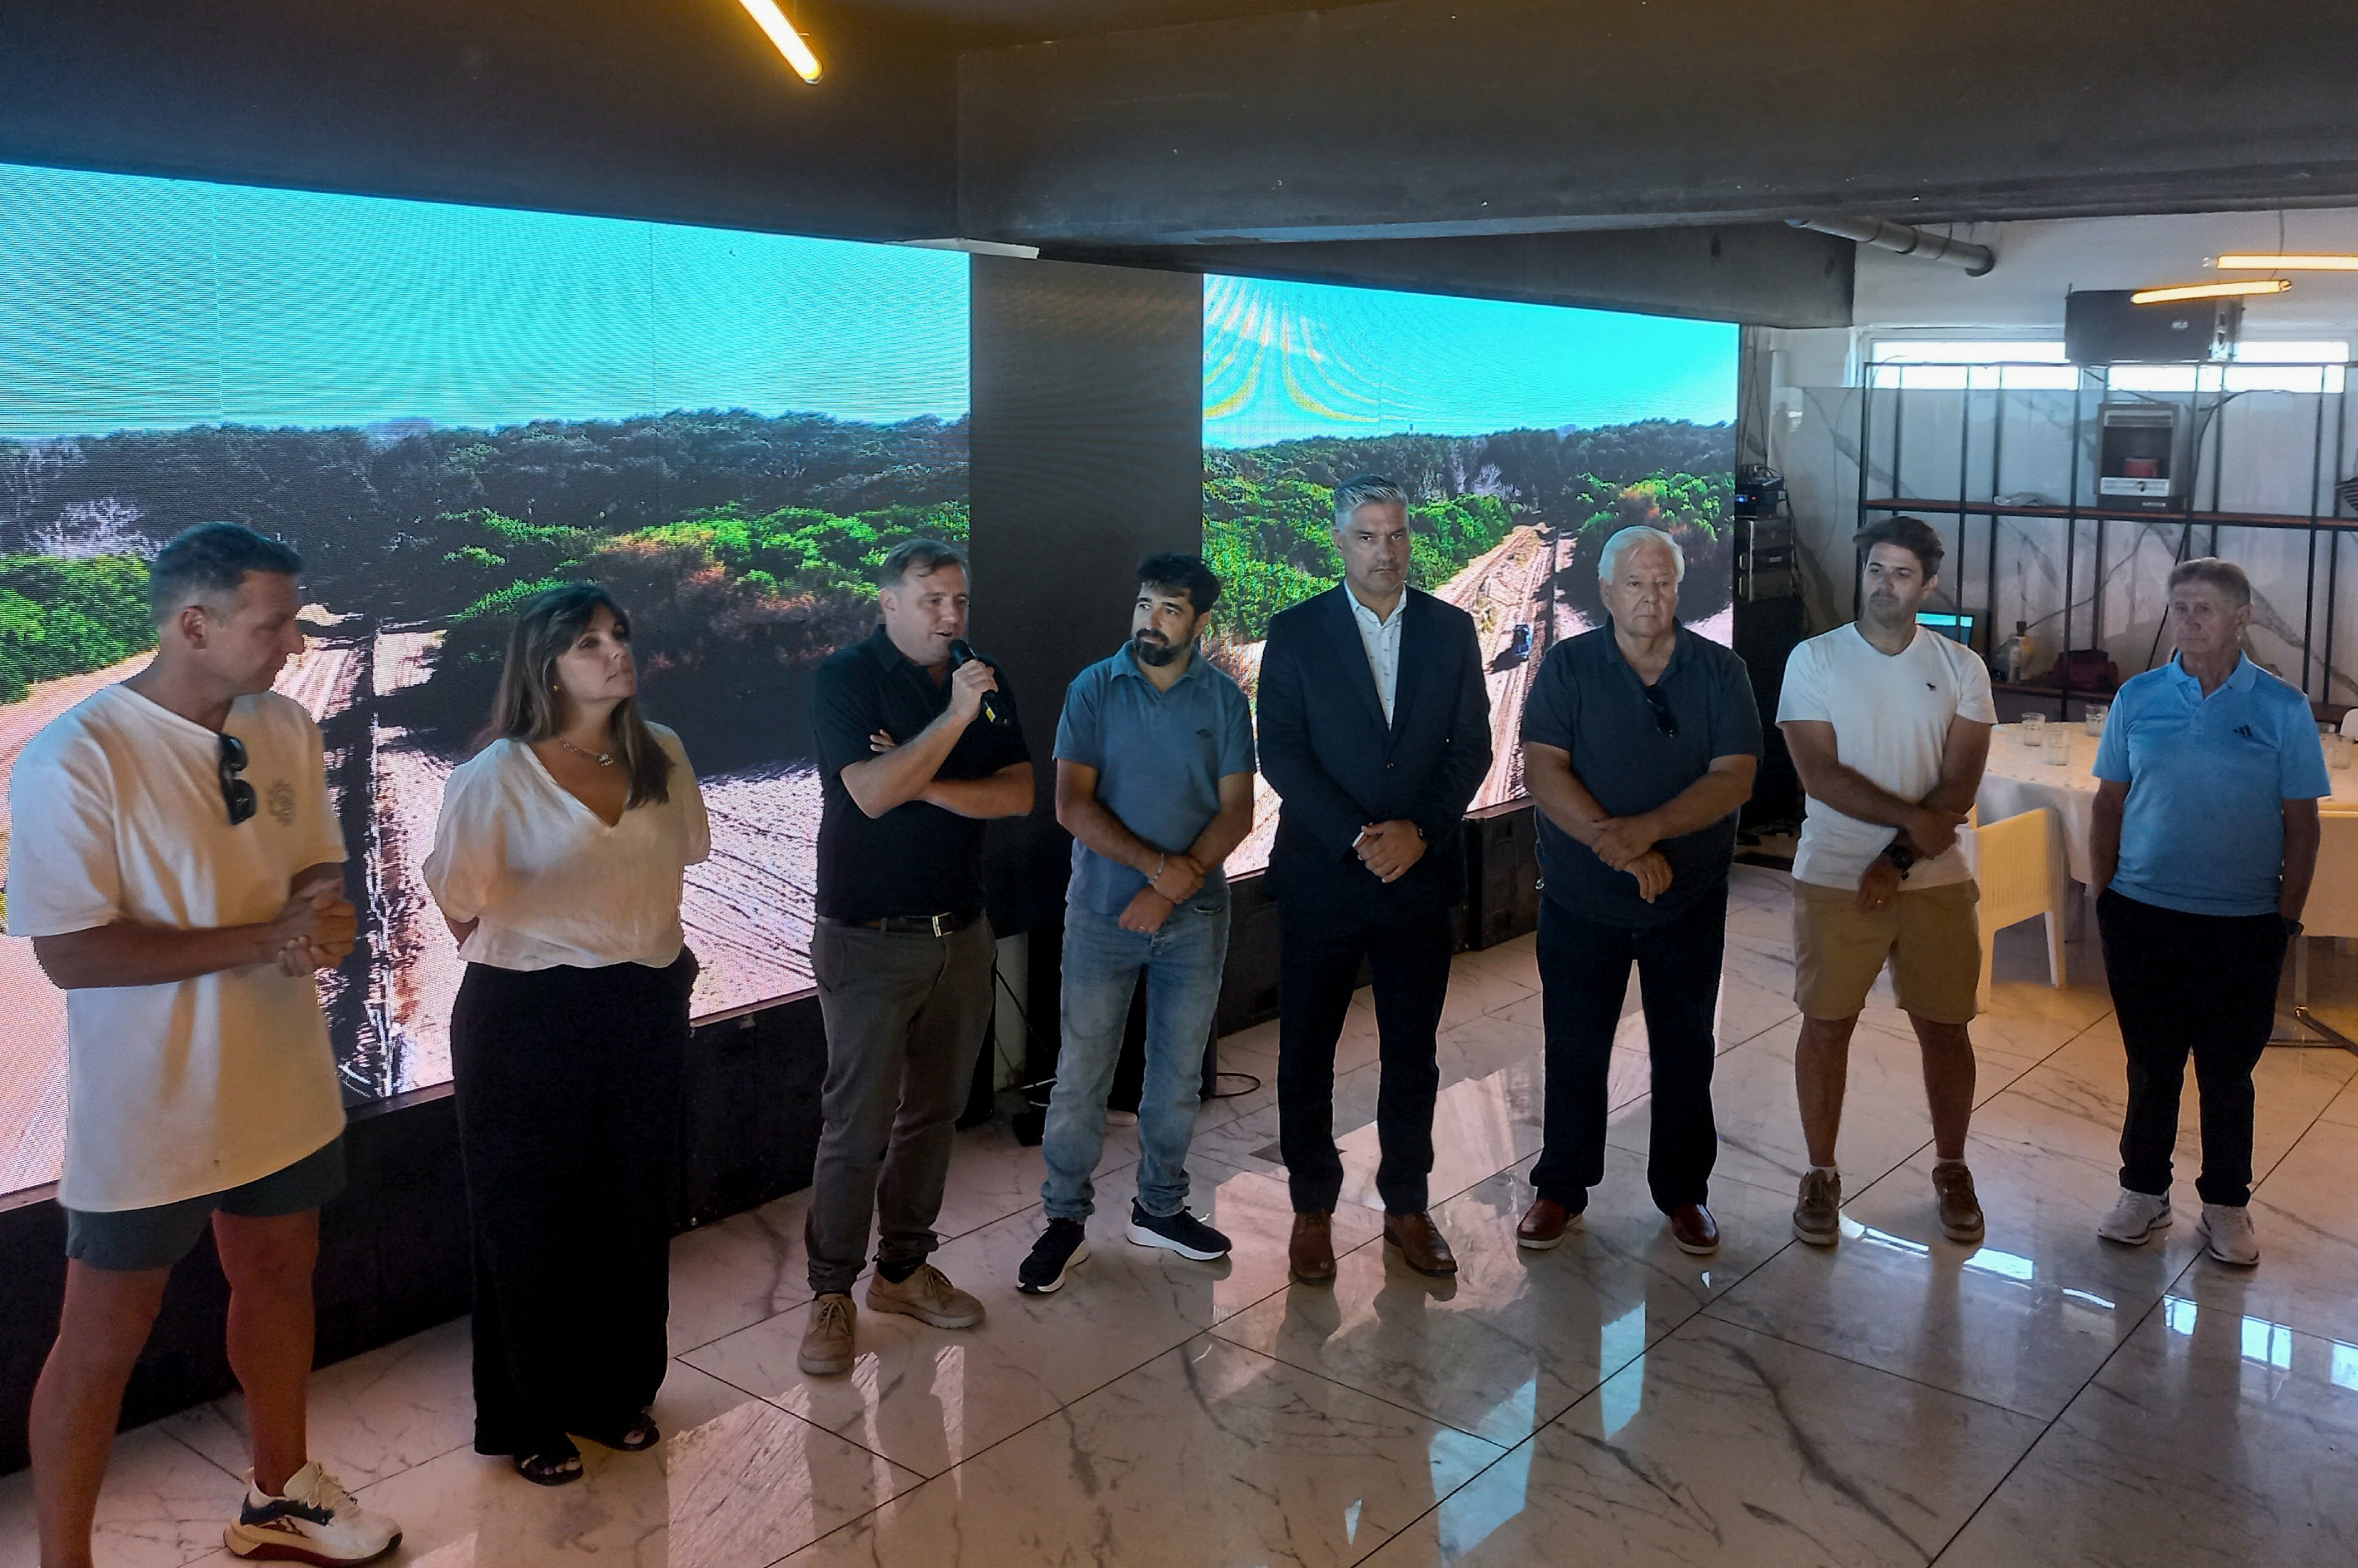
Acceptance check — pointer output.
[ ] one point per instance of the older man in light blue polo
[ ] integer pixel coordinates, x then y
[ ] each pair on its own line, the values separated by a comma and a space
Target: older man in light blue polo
1154, 779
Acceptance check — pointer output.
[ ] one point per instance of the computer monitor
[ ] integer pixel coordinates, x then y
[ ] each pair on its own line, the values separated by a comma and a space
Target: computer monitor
1959, 626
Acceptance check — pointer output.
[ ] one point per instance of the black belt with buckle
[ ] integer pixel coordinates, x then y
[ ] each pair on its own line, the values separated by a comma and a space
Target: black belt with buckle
918, 924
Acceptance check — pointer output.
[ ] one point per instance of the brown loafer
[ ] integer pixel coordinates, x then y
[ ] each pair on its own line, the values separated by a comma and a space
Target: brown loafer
1543, 1225
1310, 1253
1694, 1230
1422, 1246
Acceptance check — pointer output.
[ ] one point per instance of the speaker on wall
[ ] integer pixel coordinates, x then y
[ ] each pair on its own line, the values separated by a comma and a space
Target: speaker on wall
2100, 327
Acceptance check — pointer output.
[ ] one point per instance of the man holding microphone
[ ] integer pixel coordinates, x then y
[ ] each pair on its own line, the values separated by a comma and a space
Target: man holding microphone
918, 748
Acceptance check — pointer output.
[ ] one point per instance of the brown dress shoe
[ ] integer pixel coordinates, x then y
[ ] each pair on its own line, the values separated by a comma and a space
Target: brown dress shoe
1422, 1246
1694, 1230
1543, 1225
1310, 1253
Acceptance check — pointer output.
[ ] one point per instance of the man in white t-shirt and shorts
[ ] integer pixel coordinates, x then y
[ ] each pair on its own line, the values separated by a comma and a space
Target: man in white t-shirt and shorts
176, 861
1890, 726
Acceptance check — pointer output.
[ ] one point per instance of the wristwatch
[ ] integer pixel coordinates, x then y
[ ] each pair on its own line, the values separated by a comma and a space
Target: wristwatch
1901, 855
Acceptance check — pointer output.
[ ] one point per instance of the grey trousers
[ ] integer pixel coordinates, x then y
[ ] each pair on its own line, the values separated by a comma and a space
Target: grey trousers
904, 1019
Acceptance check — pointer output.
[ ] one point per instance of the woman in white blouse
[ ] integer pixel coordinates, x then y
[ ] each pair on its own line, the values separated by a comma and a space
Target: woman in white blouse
557, 864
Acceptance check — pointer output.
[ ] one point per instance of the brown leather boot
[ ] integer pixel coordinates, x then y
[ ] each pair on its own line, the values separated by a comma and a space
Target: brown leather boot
1422, 1246
1310, 1253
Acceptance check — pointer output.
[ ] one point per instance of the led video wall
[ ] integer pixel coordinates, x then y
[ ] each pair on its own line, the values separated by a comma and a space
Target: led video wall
446, 408
1526, 435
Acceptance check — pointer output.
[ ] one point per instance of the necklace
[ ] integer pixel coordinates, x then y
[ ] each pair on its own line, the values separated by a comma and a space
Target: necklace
603, 759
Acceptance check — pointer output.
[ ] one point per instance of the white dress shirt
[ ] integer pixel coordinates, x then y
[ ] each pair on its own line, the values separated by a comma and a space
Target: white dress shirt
549, 883
1381, 638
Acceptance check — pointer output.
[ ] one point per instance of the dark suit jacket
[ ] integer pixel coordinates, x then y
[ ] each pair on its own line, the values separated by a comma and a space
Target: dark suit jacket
1325, 750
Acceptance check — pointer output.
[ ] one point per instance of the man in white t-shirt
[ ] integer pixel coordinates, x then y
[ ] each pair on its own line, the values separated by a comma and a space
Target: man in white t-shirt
1888, 725
176, 861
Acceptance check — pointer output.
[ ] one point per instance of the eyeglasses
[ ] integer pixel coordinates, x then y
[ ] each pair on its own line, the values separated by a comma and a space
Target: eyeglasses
236, 794
1664, 721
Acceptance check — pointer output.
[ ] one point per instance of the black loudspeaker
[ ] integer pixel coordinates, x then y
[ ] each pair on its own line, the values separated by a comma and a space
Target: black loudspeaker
1502, 874
1767, 631
751, 1114
2102, 328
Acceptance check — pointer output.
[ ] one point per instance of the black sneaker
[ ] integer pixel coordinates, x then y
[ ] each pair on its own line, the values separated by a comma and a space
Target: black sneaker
1064, 1243
1182, 1233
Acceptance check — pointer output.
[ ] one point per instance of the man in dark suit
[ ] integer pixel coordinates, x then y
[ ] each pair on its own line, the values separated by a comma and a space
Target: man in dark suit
1375, 729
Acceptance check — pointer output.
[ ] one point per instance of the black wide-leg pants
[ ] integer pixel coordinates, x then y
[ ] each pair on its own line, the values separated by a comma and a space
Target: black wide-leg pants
568, 1086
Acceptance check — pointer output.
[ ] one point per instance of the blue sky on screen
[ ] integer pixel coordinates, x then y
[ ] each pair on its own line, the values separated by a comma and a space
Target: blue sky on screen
1284, 361
133, 302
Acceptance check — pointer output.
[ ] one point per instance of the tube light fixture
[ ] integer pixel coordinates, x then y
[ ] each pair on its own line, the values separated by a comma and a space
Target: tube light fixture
782, 33
2207, 291
2261, 262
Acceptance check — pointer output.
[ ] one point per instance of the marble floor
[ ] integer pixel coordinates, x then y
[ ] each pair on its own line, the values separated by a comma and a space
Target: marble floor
2044, 1397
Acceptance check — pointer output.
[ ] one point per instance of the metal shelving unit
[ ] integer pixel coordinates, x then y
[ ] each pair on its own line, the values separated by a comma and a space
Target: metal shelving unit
2327, 521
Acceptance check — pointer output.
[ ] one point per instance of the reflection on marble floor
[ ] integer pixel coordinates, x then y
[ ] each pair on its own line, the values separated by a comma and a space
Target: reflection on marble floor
2043, 1398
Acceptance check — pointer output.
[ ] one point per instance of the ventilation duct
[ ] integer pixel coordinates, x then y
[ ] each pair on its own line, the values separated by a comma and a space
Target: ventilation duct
1905, 238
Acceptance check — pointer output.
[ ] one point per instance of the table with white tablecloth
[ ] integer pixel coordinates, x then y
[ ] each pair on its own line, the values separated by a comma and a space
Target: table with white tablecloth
2019, 778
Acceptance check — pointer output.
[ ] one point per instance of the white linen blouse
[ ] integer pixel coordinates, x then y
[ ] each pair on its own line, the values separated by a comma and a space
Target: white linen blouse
544, 876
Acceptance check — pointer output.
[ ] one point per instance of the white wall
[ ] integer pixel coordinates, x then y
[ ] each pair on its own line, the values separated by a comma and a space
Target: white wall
2269, 438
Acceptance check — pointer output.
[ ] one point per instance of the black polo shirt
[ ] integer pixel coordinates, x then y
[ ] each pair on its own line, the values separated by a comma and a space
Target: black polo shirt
917, 859
1587, 700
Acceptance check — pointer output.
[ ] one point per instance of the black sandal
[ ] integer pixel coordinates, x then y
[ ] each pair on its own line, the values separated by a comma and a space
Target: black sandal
640, 1436
553, 1465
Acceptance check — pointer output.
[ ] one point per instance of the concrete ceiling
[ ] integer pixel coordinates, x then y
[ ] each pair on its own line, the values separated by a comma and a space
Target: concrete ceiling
1236, 127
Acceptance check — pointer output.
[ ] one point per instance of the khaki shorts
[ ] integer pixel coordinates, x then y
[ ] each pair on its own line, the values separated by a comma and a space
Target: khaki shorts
1930, 934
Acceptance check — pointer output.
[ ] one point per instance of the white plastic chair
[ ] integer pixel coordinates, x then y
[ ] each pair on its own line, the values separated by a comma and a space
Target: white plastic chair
2019, 864
2331, 909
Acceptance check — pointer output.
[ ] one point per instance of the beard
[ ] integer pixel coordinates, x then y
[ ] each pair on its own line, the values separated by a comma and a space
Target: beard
1157, 654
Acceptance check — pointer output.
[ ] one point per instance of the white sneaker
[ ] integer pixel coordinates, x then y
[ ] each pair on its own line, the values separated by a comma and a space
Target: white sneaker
2228, 1228
2134, 1217
313, 1521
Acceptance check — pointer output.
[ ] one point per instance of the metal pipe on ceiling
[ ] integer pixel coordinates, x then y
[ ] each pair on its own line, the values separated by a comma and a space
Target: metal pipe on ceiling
1907, 240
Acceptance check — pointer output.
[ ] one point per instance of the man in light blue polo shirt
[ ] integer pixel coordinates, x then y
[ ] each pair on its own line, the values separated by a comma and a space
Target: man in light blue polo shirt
2204, 841
1154, 781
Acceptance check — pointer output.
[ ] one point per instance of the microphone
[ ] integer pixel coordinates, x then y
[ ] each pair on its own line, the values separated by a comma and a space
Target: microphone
962, 652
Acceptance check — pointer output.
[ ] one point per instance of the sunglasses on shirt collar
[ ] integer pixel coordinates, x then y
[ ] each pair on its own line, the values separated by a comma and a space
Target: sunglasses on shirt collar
236, 794
1664, 721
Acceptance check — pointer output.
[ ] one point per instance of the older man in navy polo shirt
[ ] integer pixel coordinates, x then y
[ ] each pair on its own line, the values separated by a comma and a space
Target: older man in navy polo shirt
2205, 839
1640, 742
1154, 781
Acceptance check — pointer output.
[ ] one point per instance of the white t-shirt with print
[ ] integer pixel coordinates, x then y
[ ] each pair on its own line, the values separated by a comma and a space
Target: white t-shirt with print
1891, 714
174, 1091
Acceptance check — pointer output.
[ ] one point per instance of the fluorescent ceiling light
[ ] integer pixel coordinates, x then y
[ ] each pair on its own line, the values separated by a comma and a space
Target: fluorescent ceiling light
782, 33
2207, 291
2257, 262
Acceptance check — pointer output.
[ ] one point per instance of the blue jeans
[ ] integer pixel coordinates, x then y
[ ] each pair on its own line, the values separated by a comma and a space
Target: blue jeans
1182, 965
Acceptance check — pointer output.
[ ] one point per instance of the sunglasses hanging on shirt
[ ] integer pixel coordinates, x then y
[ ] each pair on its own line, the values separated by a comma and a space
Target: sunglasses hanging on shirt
1664, 719
236, 794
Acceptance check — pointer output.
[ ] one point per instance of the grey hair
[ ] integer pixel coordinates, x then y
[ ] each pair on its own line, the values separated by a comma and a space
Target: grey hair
1608, 559
1367, 490
2223, 575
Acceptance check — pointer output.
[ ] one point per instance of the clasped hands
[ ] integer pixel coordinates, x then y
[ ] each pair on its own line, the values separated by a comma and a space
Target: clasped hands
1627, 844
314, 930
1929, 832
1174, 879
1389, 848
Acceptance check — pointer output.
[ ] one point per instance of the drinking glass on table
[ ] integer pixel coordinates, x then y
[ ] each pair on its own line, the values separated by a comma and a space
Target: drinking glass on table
2093, 719
2059, 747
2338, 749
